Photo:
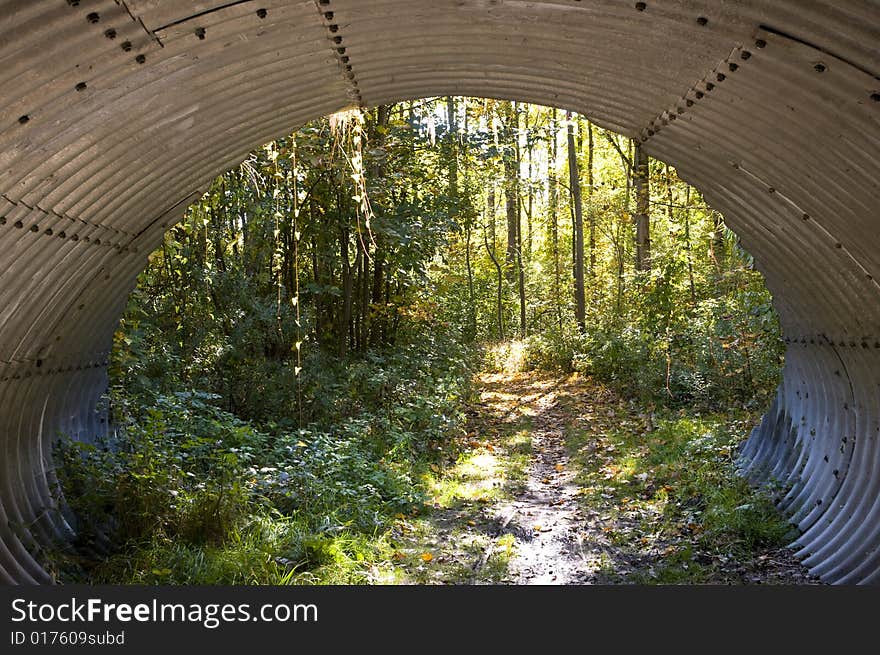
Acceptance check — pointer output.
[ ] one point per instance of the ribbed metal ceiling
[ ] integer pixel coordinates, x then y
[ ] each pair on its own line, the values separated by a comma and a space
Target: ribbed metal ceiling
115, 114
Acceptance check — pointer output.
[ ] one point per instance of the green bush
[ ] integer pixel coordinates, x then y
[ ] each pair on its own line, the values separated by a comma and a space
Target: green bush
713, 353
184, 475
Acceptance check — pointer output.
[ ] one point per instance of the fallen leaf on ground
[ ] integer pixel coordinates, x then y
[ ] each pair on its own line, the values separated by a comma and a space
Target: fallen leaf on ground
427, 557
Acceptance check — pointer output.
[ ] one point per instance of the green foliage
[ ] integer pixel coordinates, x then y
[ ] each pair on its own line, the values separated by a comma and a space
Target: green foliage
719, 351
174, 473
682, 498
190, 490
727, 519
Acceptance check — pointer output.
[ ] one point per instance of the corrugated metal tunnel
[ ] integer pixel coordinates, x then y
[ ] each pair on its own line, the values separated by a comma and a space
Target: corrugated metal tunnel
115, 114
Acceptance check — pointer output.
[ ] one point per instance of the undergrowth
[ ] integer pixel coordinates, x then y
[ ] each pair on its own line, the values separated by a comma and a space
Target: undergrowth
188, 493
679, 511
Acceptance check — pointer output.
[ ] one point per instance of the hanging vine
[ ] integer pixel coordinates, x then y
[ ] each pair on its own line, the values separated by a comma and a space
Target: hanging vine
347, 128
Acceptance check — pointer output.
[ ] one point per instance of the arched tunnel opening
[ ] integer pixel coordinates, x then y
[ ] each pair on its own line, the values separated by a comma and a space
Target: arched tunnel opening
116, 115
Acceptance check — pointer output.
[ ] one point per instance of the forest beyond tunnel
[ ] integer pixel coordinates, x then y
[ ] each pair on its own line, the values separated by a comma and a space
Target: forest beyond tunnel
771, 109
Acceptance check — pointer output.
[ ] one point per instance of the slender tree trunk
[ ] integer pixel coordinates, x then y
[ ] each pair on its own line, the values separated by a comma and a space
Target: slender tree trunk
687, 229
468, 220
318, 300
511, 192
578, 236
365, 297
643, 198
490, 249
687, 244
472, 305
245, 227
531, 190
622, 226
452, 139
716, 245
521, 274
553, 202
522, 280
590, 183
218, 220
320, 315
625, 229
347, 283
375, 332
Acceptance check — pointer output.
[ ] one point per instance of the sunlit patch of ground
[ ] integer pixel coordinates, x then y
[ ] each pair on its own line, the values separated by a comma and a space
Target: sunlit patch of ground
461, 541
477, 477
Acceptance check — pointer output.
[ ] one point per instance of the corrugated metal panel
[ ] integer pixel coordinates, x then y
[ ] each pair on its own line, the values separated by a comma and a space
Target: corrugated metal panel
115, 114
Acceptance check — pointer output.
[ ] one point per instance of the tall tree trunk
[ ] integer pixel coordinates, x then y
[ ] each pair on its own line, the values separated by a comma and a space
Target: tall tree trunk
347, 287
687, 245
716, 245
490, 249
320, 315
511, 192
522, 280
578, 236
531, 190
521, 273
590, 183
245, 226
365, 296
452, 142
670, 204
625, 229
375, 333
468, 218
218, 220
553, 203
643, 199
622, 226
472, 305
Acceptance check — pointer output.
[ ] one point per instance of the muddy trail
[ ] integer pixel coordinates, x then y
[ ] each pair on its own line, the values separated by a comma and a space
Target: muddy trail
560, 483
544, 516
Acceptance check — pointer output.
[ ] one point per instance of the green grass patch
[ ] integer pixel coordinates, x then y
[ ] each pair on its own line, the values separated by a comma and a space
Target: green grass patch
672, 500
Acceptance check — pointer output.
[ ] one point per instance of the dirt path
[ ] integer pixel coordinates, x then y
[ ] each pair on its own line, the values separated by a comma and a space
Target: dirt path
562, 483
544, 517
